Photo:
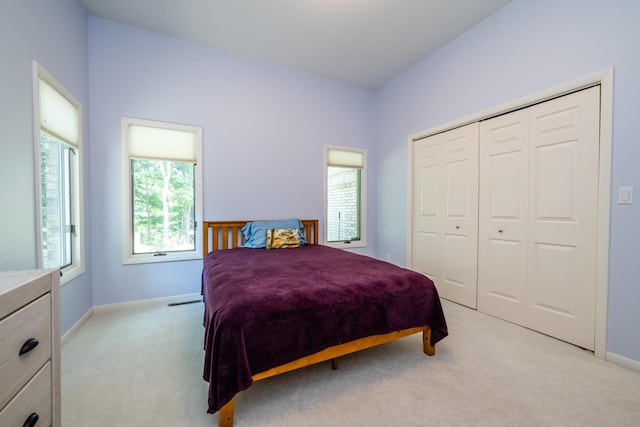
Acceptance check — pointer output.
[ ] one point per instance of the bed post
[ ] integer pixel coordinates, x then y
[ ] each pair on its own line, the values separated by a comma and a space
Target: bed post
205, 238
226, 414
429, 349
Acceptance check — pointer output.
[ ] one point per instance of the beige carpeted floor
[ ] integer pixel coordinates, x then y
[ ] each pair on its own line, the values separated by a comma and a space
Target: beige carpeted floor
142, 367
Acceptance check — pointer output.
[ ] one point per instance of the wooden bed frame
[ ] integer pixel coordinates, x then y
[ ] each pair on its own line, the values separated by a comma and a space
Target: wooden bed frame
218, 235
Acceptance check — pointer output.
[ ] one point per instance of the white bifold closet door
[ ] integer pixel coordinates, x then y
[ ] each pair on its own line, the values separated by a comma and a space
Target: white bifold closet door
538, 216
504, 216
445, 212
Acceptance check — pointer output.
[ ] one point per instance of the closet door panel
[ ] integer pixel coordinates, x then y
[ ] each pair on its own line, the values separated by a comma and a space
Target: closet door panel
555, 267
563, 216
503, 216
427, 217
460, 216
427, 243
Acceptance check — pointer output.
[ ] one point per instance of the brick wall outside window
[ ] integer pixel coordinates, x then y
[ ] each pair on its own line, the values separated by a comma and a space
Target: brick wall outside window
342, 204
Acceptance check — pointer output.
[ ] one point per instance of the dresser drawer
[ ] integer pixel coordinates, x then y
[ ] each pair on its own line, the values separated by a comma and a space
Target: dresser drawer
18, 288
33, 322
34, 398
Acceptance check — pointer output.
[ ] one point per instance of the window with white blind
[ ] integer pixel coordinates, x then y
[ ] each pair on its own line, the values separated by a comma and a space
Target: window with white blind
162, 196
345, 197
58, 140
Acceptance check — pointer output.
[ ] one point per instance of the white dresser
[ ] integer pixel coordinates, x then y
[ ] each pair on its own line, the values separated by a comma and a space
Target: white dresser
30, 348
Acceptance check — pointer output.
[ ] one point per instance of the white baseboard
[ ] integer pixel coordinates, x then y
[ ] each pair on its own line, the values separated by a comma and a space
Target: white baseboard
65, 337
623, 361
176, 299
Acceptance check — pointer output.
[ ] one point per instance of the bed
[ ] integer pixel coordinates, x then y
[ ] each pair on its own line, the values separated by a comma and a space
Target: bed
272, 311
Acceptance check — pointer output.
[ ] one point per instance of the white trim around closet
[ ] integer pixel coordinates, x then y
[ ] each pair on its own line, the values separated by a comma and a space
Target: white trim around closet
605, 80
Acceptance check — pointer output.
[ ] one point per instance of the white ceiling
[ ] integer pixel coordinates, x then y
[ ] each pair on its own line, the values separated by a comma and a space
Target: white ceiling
362, 42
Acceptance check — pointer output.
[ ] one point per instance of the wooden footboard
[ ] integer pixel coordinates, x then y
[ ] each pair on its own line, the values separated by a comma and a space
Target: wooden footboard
331, 353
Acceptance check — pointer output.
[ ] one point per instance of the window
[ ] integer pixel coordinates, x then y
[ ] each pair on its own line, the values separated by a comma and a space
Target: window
161, 191
345, 197
58, 135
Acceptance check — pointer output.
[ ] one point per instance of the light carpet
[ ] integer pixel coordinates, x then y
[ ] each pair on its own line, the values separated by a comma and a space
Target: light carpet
143, 367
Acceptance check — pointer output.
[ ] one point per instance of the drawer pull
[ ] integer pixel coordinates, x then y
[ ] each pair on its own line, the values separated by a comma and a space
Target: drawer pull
31, 420
29, 345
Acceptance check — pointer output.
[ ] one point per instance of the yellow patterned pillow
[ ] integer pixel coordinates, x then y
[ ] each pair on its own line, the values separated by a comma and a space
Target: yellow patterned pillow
282, 238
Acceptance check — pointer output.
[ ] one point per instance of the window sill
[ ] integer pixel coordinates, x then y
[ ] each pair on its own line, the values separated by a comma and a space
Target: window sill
169, 257
70, 273
348, 244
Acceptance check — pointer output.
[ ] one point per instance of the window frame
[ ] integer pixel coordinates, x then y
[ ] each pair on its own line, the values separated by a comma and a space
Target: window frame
77, 265
347, 244
128, 257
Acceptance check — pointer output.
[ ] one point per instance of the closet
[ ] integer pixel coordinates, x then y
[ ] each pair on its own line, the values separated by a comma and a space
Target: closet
532, 201
445, 212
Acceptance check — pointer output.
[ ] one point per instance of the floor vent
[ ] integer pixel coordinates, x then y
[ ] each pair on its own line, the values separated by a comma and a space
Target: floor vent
173, 304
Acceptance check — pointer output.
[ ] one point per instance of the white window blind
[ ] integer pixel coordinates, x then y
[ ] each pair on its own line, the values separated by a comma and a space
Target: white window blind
154, 143
58, 116
346, 159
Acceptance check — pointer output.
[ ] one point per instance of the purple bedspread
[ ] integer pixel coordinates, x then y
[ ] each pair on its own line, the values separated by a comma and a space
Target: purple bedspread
266, 308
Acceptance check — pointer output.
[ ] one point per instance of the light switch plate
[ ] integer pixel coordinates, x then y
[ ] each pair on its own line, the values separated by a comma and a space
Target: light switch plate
625, 195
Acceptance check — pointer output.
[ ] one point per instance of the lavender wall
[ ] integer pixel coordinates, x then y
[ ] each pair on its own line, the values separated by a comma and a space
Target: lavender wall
264, 130
253, 113
528, 46
55, 35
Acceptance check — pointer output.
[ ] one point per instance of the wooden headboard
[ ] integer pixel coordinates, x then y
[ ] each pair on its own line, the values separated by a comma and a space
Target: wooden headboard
217, 235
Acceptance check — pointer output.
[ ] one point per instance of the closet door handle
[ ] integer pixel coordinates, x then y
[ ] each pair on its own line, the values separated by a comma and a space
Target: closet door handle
500, 230
31, 420
457, 227
29, 345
